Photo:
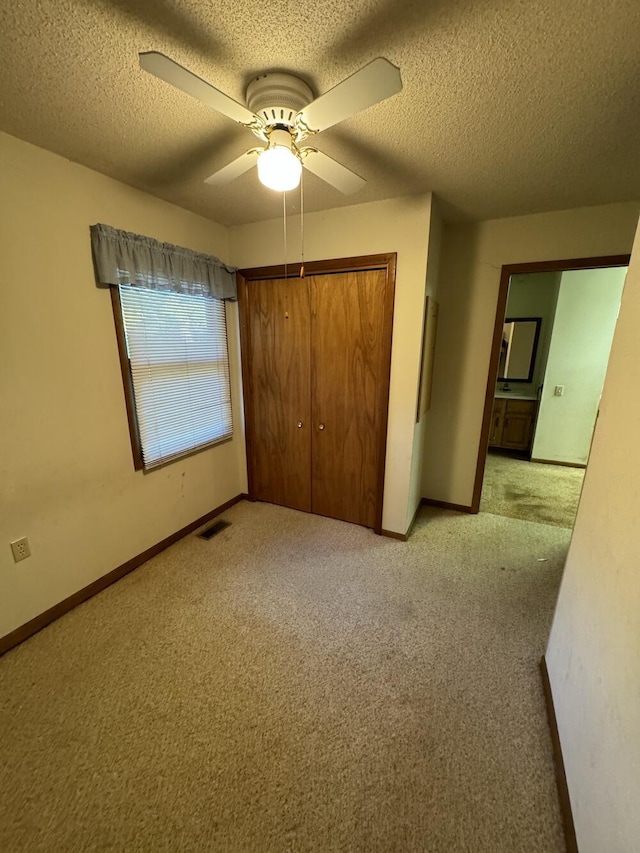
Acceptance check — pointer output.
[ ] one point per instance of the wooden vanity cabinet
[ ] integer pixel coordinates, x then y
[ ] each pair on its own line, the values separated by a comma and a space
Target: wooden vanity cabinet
512, 423
497, 423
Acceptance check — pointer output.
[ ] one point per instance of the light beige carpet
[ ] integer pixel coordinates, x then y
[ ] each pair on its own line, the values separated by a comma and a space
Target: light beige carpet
532, 491
295, 684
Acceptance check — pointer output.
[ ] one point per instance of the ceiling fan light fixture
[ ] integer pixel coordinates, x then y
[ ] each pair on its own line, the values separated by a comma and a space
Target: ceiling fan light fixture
281, 111
279, 168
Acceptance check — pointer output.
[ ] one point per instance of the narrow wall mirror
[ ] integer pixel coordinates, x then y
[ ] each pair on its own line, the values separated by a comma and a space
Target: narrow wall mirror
518, 349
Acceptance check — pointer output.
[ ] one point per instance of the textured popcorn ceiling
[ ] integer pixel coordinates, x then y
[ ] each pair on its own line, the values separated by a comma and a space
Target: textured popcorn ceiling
508, 106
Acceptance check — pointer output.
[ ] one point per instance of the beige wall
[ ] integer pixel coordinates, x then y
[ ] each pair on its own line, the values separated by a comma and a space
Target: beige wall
585, 320
593, 656
396, 225
416, 490
470, 275
66, 472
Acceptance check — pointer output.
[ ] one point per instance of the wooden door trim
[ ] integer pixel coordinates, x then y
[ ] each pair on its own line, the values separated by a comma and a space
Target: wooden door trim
390, 289
601, 262
330, 265
246, 366
385, 262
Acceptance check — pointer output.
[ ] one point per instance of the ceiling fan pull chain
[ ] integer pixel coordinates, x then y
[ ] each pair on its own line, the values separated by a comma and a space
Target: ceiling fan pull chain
302, 225
284, 228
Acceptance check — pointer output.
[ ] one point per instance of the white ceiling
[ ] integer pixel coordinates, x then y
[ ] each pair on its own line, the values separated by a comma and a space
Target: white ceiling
508, 107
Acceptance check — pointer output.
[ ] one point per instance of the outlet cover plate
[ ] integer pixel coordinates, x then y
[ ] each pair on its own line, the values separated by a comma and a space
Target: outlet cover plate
20, 549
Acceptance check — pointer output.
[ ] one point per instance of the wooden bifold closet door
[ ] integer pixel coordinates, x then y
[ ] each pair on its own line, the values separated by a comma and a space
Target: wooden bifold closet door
279, 384
316, 357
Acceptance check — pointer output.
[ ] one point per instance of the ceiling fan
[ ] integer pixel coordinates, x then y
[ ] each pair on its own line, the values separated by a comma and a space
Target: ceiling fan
281, 112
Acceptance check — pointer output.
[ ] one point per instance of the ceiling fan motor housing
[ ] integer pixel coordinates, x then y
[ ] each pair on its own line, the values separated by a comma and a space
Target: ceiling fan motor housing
278, 97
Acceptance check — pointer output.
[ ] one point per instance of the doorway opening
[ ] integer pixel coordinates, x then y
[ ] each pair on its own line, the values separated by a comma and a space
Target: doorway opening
552, 338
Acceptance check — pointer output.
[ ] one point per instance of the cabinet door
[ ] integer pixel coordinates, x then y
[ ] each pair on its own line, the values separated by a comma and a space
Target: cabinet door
516, 432
497, 421
279, 446
351, 337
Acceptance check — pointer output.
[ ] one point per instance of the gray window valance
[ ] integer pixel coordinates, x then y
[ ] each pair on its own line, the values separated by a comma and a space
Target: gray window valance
123, 258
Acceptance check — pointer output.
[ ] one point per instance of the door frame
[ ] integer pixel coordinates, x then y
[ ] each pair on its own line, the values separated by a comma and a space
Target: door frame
385, 262
564, 265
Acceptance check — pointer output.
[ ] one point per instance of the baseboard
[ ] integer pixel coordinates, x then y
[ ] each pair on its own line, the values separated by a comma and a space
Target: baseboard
561, 776
403, 536
555, 462
393, 535
425, 502
445, 505
413, 520
30, 628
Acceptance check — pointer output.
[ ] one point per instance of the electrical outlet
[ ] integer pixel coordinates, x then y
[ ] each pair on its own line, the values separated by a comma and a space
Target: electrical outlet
559, 390
20, 549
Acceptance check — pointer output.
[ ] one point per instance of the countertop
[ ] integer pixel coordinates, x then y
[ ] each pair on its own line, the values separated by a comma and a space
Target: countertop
508, 395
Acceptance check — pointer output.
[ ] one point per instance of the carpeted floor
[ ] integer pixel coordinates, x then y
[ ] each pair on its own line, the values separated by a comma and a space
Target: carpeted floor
532, 491
295, 684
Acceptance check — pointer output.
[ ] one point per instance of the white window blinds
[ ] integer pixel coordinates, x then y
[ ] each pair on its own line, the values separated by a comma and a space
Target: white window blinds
179, 361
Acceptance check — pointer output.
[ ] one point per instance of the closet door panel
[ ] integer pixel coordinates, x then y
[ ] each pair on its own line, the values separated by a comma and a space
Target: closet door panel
279, 371
348, 393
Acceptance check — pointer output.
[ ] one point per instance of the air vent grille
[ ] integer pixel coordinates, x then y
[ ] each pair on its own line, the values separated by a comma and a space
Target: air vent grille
210, 532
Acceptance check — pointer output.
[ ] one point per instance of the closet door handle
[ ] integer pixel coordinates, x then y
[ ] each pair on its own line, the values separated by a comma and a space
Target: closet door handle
299, 424
320, 426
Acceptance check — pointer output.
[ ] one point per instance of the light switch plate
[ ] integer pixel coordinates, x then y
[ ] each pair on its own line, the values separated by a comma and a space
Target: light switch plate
559, 391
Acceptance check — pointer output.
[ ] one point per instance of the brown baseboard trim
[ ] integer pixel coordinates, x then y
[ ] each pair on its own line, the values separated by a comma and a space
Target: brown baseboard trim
555, 462
393, 535
30, 628
413, 520
445, 505
424, 502
403, 536
558, 761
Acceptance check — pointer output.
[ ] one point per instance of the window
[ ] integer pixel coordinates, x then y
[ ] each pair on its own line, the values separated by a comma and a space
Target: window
168, 304
175, 361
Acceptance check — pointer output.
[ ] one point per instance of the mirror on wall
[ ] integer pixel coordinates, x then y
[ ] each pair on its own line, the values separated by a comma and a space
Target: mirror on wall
518, 349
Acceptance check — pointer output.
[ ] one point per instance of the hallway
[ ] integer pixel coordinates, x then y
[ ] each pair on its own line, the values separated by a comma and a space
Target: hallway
531, 491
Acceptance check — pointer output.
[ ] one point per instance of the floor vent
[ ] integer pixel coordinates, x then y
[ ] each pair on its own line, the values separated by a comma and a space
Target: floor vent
215, 528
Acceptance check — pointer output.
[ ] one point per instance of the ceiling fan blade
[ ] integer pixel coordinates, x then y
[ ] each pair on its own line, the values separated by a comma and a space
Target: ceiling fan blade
331, 171
370, 85
166, 69
234, 169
